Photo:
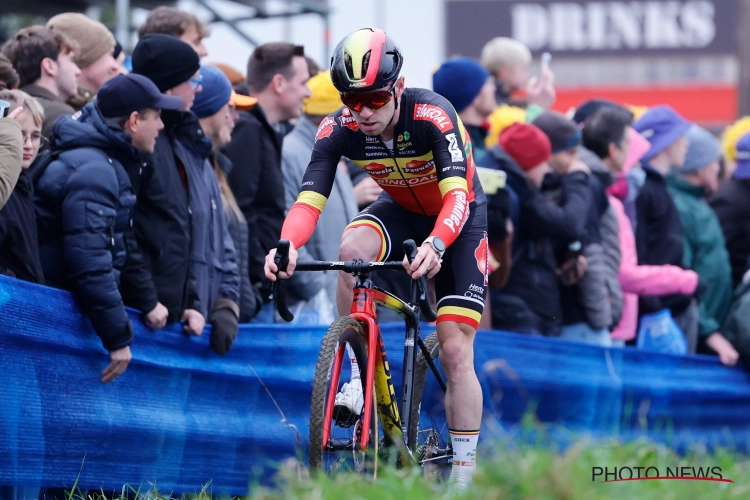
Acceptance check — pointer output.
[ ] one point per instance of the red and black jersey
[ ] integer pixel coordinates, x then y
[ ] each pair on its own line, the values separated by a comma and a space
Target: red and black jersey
429, 171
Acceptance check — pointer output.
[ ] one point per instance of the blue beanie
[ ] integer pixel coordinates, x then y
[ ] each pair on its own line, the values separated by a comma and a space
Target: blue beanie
703, 149
216, 92
662, 126
459, 80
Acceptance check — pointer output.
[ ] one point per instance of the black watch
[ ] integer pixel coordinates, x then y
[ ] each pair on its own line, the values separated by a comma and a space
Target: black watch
437, 244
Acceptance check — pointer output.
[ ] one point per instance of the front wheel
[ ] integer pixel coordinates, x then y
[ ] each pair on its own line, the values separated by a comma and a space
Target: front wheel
341, 451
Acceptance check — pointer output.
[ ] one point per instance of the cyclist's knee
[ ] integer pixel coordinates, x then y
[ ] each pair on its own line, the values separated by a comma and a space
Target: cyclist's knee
456, 348
359, 243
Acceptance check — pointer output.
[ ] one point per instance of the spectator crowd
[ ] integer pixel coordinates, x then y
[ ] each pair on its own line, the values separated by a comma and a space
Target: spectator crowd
156, 182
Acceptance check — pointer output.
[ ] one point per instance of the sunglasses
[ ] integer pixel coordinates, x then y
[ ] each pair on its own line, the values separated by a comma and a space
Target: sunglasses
373, 100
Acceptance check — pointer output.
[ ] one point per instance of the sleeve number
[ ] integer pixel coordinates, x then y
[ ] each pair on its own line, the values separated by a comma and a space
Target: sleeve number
454, 148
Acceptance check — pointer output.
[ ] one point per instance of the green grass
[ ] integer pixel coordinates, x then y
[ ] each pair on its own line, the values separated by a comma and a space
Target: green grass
517, 471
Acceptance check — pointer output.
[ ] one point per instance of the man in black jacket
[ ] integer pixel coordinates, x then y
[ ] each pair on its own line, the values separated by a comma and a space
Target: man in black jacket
277, 75
84, 204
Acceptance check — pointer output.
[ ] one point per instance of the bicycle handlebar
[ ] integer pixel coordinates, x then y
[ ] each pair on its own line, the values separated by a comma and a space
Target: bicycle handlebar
281, 259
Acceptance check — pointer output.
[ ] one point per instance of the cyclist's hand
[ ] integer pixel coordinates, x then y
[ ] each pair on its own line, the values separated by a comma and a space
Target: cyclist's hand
426, 262
270, 266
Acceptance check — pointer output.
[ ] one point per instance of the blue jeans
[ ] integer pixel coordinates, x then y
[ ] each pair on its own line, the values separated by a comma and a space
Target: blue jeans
582, 332
266, 313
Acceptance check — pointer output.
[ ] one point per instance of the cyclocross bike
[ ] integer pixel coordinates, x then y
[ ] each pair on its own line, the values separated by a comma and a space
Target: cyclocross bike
340, 439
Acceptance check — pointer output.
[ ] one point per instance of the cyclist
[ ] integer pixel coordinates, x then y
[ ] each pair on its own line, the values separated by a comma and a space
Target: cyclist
413, 144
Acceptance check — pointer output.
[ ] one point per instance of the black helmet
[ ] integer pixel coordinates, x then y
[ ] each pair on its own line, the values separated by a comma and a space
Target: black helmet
365, 60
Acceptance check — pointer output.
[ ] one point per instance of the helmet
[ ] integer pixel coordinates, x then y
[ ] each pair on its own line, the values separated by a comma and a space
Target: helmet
365, 60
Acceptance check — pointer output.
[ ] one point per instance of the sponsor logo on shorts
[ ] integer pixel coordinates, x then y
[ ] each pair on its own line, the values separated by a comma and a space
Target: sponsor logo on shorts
476, 288
433, 114
481, 254
326, 128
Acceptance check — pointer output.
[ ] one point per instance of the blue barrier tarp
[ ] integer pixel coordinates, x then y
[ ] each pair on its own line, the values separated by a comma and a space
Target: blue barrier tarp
182, 416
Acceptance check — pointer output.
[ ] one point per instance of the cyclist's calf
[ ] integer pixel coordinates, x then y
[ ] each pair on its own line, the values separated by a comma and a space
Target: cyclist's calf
463, 400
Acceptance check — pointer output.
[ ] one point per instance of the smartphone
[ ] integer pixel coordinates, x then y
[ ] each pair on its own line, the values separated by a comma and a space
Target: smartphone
4, 107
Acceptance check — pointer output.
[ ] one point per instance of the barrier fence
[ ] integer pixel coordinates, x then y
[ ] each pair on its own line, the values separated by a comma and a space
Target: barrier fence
182, 416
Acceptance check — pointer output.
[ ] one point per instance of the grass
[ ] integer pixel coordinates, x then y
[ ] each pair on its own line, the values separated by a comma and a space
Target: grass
521, 471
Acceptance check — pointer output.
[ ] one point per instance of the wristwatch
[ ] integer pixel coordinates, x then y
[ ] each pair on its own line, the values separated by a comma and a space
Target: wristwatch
437, 244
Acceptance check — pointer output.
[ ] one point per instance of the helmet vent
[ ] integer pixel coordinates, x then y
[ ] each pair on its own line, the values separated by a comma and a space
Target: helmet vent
366, 63
348, 65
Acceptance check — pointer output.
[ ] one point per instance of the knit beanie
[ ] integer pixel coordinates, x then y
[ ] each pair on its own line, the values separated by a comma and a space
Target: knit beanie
662, 126
93, 38
526, 144
563, 133
460, 80
324, 98
166, 60
217, 91
704, 149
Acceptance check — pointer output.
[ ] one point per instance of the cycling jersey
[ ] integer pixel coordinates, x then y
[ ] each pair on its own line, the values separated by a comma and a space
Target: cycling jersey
430, 170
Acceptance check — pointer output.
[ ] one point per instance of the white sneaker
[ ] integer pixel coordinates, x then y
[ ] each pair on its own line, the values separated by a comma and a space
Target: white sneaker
351, 397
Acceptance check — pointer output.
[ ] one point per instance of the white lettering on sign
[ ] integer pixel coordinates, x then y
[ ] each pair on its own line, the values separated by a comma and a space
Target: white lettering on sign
665, 24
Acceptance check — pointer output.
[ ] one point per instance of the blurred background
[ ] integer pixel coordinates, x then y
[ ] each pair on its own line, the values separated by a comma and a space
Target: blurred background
692, 54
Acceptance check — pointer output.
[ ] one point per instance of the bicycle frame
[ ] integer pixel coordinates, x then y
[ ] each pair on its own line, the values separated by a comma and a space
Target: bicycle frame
396, 426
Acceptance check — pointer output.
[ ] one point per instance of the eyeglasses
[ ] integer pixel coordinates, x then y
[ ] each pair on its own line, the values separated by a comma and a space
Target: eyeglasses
373, 100
34, 137
196, 81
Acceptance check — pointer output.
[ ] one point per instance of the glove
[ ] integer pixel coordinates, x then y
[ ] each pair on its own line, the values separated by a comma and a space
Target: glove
224, 324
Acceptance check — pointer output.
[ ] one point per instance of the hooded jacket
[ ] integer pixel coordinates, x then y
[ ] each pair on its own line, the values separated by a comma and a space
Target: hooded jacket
732, 206
84, 202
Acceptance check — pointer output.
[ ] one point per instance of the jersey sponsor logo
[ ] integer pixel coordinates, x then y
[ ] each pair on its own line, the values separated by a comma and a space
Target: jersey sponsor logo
349, 122
453, 148
434, 114
481, 254
369, 138
412, 181
459, 214
418, 166
378, 170
326, 128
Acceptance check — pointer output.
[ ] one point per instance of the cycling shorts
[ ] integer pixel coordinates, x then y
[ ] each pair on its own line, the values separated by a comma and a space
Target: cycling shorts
461, 283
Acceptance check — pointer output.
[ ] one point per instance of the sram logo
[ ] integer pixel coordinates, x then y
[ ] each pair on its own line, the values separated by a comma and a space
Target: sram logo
434, 114
326, 128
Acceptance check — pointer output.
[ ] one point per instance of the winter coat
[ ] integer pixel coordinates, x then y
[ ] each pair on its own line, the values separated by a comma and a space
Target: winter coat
53, 106
642, 279
258, 185
19, 243
212, 263
736, 328
659, 238
250, 298
84, 202
340, 209
11, 156
533, 291
162, 215
705, 253
732, 206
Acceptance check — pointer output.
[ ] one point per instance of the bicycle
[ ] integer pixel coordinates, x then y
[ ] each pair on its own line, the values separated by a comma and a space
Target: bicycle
340, 439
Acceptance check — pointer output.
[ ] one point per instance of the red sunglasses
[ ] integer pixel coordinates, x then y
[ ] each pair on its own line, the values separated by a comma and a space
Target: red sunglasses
373, 100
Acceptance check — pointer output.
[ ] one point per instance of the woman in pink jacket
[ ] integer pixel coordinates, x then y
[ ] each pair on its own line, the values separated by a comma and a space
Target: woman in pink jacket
608, 134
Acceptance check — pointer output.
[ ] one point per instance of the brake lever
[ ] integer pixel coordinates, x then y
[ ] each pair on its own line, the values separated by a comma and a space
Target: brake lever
410, 249
278, 287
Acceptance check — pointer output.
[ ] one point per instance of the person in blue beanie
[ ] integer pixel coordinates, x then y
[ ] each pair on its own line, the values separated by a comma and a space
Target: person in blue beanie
471, 90
659, 234
705, 249
216, 113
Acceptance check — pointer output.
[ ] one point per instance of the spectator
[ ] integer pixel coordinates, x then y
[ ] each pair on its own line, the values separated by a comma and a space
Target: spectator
471, 90
607, 133
659, 234
705, 251
277, 75
120, 57
46, 70
94, 53
84, 204
314, 294
508, 62
177, 23
19, 244
229, 229
541, 224
166, 217
732, 206
11, 154
8, 76
732, 134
